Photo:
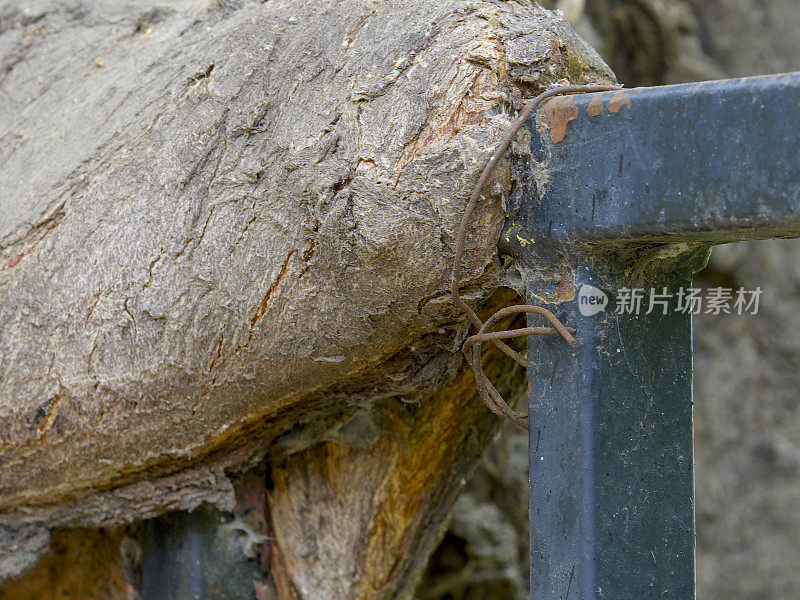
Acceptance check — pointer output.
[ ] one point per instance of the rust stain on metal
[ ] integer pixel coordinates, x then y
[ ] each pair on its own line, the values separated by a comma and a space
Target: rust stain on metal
618, 100
564, 292
557, 113
595, 105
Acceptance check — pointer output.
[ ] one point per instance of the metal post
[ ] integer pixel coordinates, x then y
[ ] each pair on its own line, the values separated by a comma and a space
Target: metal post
611, 454
631, 189
207, 554
197, 555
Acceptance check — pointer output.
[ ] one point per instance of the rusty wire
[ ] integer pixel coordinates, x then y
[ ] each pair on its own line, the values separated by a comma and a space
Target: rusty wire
489, 394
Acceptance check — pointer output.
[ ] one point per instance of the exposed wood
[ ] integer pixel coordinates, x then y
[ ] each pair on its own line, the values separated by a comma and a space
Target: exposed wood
357, 517
82, 564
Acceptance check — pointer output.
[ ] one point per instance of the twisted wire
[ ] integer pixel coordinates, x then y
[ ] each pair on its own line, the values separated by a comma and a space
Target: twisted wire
489, 394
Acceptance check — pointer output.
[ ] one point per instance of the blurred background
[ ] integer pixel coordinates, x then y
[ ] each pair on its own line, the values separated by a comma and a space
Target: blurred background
747, 368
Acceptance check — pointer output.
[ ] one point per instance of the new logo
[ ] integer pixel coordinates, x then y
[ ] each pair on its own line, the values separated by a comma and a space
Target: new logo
591, 300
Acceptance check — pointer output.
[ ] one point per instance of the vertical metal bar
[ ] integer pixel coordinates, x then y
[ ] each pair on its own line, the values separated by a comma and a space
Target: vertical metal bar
611, 468
174, 556
201, 555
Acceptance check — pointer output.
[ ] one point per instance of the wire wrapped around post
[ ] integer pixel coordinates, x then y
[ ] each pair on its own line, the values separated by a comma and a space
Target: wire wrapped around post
489, 394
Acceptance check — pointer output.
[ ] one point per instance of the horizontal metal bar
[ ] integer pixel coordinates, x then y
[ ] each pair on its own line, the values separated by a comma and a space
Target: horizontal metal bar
714, 161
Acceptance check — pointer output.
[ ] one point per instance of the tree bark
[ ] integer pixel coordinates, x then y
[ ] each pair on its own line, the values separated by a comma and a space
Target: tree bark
226, 231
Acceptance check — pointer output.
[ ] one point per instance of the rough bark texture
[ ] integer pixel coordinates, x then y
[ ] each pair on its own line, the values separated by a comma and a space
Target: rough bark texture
747, 408
226, 230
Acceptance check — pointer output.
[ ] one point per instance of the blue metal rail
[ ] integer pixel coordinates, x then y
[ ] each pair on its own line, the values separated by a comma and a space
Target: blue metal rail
630, 189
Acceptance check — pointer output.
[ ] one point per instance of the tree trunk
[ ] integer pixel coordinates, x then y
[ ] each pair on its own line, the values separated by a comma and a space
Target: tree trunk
226, 232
